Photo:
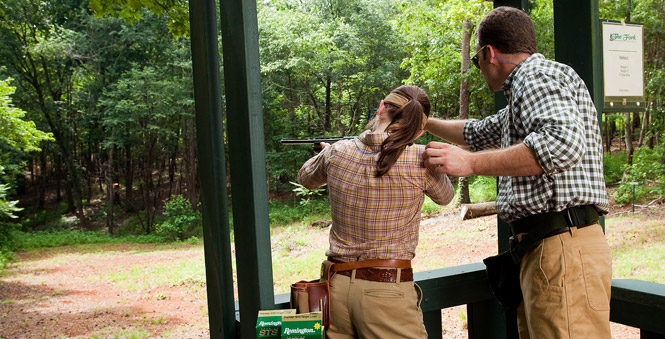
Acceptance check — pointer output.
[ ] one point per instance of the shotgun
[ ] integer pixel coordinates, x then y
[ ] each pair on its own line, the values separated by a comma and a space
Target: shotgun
315, 142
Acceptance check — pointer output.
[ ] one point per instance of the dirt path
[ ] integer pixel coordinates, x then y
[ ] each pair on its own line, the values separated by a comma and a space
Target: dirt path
82, 292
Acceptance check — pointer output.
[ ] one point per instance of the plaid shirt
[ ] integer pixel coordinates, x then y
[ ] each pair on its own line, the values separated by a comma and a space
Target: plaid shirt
549, 110
373, 218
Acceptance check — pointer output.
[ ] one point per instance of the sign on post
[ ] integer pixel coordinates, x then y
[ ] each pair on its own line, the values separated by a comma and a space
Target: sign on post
623, 67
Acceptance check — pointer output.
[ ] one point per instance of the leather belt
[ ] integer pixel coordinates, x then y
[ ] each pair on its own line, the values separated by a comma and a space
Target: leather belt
544, 225
380, 274
375, 270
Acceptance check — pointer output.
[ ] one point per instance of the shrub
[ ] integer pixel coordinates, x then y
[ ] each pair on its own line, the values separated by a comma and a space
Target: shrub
182, 221
648, 171
613, 166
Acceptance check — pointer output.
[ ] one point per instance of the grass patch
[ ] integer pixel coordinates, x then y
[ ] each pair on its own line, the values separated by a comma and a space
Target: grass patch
613, 165
144, 277
33, 240
637, 254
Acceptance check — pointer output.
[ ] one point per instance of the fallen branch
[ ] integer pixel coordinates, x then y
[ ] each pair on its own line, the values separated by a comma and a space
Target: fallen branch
470, 211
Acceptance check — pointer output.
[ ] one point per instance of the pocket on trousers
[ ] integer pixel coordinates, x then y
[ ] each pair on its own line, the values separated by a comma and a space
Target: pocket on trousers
381, 293
597, 268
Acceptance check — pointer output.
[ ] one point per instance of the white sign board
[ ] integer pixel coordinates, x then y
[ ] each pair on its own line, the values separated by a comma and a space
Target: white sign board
623, 61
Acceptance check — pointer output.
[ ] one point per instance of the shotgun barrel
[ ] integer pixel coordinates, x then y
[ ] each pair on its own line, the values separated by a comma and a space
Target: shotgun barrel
314, 141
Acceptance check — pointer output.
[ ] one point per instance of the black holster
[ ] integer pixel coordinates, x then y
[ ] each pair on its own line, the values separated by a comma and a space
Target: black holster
504, 278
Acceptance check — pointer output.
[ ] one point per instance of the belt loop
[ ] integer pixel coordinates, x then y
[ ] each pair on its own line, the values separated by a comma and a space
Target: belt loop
399, 276
573, 229
353, 276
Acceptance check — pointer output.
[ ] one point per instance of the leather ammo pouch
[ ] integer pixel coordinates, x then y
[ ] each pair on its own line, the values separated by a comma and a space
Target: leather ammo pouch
503, 270
313, 295
504, 278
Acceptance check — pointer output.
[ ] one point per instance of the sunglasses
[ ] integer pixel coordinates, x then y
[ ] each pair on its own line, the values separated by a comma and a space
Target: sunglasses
475, 60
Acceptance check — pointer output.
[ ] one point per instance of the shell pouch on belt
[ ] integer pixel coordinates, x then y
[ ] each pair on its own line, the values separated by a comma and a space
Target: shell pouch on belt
313, 295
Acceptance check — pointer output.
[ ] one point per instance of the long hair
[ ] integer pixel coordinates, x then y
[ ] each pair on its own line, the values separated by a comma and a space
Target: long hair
408, 107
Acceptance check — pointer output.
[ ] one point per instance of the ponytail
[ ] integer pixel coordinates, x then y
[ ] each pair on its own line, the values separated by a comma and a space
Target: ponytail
409, 109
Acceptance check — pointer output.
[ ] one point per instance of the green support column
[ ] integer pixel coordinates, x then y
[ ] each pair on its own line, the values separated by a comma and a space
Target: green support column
212, 169
577, 42
242, 82
488, 319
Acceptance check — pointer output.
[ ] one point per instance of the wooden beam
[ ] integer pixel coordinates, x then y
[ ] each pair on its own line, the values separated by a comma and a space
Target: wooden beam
244, 111
212, 168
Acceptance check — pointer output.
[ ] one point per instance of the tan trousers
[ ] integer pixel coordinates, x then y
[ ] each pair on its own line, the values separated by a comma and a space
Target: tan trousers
566, 284
369, 309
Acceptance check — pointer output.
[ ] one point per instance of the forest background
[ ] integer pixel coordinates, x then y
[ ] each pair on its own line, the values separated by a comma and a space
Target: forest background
97, 113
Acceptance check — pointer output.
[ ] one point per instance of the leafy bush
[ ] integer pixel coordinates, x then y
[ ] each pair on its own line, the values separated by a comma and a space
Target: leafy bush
613, 166
7, 242
182, 221
285, 212
648, 171
482, 189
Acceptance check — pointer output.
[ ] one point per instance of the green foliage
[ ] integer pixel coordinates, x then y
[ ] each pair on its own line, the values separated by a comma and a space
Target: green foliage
133, 11
7, 242
482, 189
14, 130
306, 194
648, 170
433, 36
286, 212
182, 221
613, 165
7, 208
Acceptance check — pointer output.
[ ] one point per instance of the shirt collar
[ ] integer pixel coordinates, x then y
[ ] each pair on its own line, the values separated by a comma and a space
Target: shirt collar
372, 140
508, 83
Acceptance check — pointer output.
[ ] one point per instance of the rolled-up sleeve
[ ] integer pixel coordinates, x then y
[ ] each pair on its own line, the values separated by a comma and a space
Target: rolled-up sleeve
485, 133
313, 173
438, 187
550, 112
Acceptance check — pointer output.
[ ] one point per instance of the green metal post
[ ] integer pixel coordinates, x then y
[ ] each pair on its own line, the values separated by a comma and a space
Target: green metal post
577, 42
242, 81
212, 169
488, 319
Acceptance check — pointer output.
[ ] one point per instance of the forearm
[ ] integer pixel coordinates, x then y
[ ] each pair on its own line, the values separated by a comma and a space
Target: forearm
449, 130
517, 160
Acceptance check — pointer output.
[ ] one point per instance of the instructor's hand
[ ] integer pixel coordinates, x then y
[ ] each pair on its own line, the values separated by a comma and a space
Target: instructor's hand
449, 159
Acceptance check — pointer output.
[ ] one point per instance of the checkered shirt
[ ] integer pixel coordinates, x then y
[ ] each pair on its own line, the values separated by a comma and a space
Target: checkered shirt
373, 218
550, 111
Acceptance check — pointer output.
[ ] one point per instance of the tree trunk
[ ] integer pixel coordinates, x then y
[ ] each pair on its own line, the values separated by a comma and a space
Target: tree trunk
628, 134
643, 129
326, 126
608, 137
129, 179
190, 162
463, 182
42, 179
636, 124
110, 190
58, 181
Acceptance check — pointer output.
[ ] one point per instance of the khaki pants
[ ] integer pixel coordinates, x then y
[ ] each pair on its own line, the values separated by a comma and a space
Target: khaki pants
369, 309
566, 284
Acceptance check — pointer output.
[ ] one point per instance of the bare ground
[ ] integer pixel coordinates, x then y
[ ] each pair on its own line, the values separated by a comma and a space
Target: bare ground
78, 292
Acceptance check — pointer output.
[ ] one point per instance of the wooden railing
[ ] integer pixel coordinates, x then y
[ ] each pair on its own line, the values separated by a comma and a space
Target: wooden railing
634, 303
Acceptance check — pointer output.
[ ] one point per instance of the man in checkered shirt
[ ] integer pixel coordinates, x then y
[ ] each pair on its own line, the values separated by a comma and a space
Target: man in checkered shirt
545, 147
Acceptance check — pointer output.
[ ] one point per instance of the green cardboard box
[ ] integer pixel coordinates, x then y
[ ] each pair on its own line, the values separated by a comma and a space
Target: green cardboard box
303, 326
269, 323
